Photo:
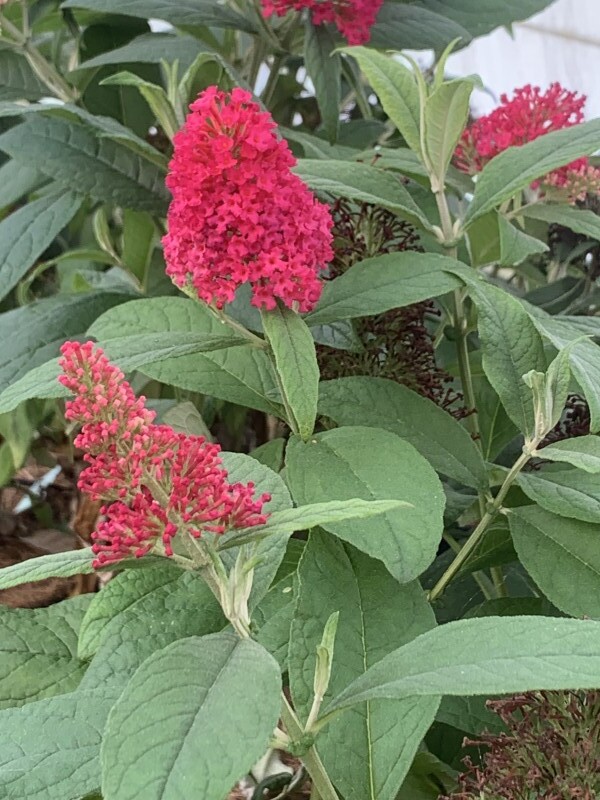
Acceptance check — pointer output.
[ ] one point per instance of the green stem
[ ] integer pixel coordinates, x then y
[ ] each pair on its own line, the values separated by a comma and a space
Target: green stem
311, 760
481, 579
271, 84
42, 68
477, 535
259, 51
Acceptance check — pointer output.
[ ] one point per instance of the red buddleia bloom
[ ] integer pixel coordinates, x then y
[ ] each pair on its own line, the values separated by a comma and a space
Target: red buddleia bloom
528, 115
353, 18
239, 215
156, 483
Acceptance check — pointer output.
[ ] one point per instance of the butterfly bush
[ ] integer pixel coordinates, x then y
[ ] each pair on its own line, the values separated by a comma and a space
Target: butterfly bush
156, 483
529, 114
353, 18
239, 215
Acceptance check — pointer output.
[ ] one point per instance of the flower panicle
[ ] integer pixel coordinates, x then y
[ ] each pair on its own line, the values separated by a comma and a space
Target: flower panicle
353, 18
239, 214
155, 483
527, 115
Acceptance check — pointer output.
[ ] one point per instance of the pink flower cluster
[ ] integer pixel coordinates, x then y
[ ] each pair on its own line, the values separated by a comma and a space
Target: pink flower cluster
529, 114
156, 483
239, 215
353, 18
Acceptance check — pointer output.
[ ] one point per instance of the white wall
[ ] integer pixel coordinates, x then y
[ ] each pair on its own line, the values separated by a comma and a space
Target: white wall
560, 44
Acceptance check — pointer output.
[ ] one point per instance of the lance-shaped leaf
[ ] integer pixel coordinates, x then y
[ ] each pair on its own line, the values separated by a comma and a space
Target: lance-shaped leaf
492, 655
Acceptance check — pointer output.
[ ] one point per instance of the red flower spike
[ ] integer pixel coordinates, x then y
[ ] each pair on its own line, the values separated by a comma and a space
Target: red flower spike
238, 214
157, 483
353, 18
527, 116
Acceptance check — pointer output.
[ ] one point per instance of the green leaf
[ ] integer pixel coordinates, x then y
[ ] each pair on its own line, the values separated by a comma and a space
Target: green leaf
271, 453
27, 232
562, 557
310, 516
372, 464
120, 600
515, 169
378, 284
584, 356
57, 565
383, 403
102, 127
32, 334
243, 375
152, 48
581, 451
396, 88
74, 154
154, 95
469, 714
295, 359
178, 706
579, 220
497, 429
49, 750
363, 183
511, 347
138, 242
494, 655
273, 616
324, 68
38, 651
17, 180
367, 754
487, 14
182, 13
270, 551
146, 620
411, 27
515, 245
446, 112
567, 492
19, 81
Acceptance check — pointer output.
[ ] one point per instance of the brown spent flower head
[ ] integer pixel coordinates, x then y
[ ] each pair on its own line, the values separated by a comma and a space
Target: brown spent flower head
551, 750
396, 344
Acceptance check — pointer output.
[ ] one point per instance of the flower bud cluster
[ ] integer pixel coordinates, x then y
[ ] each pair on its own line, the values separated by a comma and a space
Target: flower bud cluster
156, 483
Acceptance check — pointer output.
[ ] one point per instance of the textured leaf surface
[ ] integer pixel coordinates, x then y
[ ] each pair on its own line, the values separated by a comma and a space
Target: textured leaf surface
31, 335
431, 430
50, 749
241, 375
38, 651
567, 492
367, 751
372, 464
152, 48
577, 219
27, 232
117, 603
487, 14
363, 183
562, 557
295, 358
324, 67
175, 610
511, 347
74, 155
57, 565
412, 27
581, 451
396, 88
378, 284
494, 655
187, 719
